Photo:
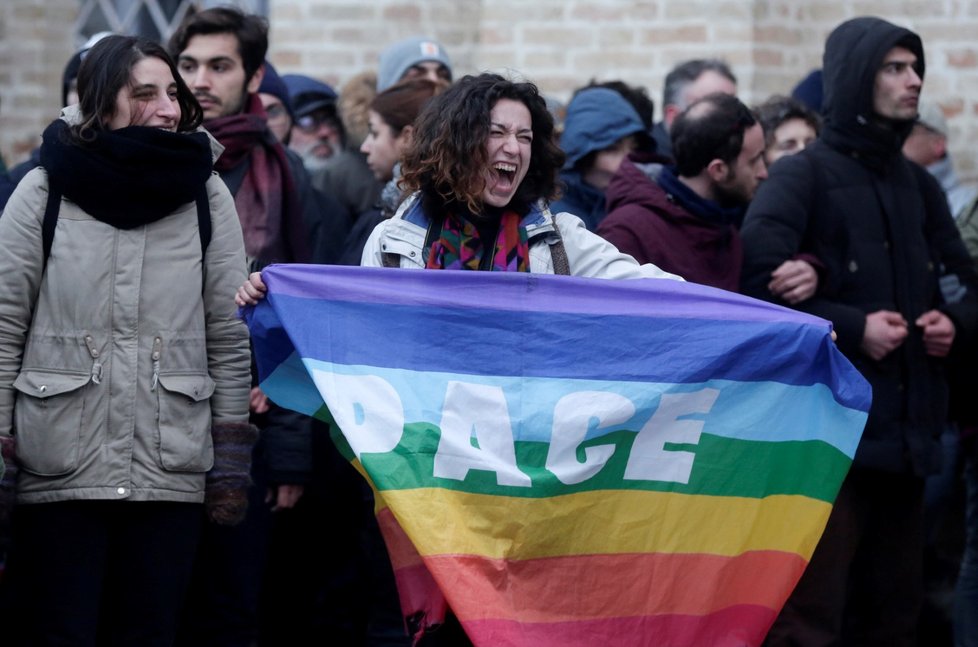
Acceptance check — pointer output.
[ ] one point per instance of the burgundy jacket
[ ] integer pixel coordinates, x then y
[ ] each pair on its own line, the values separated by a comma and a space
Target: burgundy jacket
650, 225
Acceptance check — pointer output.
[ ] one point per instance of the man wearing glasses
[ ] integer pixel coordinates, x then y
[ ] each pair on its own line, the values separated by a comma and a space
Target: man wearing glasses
317, 134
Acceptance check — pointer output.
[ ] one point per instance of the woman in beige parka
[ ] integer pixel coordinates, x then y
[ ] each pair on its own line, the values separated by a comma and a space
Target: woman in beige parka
124, 371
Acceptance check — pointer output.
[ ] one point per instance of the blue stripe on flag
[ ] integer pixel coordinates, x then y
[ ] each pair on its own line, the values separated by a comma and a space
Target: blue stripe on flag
792, 413
564, 345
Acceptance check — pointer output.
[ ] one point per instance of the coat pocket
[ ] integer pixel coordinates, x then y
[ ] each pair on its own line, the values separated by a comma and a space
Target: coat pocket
48, 412
184, 415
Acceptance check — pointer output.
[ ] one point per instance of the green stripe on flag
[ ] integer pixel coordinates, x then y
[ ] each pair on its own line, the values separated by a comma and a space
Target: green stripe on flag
722, 467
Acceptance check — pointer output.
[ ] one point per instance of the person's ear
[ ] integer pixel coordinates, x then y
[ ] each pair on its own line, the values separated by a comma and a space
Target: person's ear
669, 113
255, 81
717, 169
405, 137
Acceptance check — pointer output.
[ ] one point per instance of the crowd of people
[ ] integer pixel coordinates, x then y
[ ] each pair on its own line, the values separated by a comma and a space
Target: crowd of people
152, 494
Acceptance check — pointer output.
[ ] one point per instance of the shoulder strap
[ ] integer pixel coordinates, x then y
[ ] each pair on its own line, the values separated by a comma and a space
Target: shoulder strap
53, 207
204, 220
50, 222
559, 253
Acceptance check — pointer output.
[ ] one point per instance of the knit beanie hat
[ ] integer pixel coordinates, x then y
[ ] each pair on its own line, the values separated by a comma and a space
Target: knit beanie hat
272, 84
396, 59
809, 90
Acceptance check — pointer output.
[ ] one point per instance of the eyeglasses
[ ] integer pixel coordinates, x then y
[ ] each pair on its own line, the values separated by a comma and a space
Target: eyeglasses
312, 122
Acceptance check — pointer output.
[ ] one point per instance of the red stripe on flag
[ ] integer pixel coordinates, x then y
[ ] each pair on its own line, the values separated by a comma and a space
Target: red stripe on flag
559, 589
416, 588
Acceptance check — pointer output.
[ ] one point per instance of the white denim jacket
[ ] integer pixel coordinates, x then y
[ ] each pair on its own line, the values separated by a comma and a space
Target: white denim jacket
588, 254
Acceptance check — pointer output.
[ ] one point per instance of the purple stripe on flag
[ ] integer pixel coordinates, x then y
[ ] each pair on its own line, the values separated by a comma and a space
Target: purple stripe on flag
539, 293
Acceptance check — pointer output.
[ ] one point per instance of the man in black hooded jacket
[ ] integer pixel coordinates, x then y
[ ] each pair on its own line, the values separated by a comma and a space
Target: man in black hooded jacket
880, 226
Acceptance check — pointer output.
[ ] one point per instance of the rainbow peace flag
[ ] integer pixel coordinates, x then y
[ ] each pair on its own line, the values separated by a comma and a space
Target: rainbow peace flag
566, 461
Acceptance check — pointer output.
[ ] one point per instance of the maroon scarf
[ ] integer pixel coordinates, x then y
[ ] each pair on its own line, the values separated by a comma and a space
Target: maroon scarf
267, 201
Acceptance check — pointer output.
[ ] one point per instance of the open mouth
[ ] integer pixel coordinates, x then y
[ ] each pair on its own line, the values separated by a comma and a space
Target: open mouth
505, 171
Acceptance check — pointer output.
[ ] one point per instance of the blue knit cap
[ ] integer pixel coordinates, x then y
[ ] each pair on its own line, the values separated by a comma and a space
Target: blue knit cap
809, 90
272, 84
396, 59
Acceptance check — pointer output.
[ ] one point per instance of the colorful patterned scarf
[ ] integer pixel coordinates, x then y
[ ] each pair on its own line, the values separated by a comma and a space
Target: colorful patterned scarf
267, 201
460, 247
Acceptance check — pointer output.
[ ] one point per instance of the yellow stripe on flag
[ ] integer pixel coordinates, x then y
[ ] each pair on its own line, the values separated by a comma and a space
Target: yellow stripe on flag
441, 521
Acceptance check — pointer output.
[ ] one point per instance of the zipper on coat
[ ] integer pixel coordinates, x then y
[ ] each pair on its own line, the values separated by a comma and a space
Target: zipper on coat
157, 351
96, 364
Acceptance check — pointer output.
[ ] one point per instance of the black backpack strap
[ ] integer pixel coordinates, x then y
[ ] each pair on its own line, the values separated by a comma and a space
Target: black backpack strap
204, 220
558, 253
50, 222
53, 207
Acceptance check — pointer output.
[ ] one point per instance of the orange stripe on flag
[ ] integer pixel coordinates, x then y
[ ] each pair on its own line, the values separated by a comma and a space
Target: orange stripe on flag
605, 586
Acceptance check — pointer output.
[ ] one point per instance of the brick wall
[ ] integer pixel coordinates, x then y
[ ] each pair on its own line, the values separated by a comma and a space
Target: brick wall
35, 44
559, 44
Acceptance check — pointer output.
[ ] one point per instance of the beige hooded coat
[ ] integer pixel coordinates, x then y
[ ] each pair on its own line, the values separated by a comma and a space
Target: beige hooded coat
117, 356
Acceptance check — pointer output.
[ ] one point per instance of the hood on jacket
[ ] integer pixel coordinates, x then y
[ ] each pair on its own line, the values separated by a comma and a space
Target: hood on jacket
72, 116
596, 119
853, 54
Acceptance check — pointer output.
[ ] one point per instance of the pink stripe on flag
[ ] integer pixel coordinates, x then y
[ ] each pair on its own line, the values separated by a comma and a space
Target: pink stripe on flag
726, 628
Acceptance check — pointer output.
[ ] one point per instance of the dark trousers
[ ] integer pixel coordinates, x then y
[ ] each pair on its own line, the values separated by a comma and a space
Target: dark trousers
864, 584
328, 572
313, 576
222, 605
85, 573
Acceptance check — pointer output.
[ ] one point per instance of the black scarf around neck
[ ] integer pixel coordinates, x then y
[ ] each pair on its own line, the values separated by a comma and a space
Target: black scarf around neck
877, 142
127, 177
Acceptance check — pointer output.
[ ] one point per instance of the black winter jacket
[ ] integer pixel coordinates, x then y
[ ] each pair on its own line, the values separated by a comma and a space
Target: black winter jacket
880, 226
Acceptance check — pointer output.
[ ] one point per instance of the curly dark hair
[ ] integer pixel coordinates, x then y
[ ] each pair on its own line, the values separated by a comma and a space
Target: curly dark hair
447, 158
778, 109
